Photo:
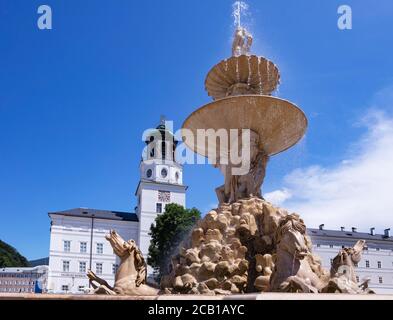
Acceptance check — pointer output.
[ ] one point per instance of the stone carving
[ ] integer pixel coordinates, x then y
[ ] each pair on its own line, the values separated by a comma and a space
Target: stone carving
252, 246
130, 277
244, 186
292, 270
342, 272
242, 42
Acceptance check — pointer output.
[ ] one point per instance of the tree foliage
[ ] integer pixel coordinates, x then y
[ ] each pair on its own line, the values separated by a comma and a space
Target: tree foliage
169, 230
10, 257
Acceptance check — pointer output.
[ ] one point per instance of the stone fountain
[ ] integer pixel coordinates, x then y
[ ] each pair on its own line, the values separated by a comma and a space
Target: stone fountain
246, 244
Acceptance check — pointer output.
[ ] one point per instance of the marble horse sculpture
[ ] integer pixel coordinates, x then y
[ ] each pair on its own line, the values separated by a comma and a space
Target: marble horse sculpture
130, 278
292, 271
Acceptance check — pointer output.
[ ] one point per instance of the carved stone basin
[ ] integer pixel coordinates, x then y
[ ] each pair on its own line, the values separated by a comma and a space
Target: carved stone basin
279, 123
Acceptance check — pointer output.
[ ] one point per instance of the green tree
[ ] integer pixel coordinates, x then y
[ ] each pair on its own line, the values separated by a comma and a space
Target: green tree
10, 257
169, 230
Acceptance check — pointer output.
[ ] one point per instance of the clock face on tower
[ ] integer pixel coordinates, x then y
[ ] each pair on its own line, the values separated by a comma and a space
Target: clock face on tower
164, 196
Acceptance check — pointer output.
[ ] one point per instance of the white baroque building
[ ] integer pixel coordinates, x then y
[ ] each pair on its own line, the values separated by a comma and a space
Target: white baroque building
377, 259
78, 244
77, 236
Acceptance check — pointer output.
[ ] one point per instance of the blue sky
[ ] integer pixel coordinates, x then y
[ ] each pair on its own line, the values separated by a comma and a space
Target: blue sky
75, 100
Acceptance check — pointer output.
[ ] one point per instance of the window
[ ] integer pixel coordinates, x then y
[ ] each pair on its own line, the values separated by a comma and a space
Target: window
177, 176
357, 278
83, 247
66, 266
82, 267
149, 173
100, 248
380, 280
159, 207
114, 268
377, 249
164, 173
67, 245
318, 245
99, 268
64, 288
379, 264
81, 288
331, 246
367, 264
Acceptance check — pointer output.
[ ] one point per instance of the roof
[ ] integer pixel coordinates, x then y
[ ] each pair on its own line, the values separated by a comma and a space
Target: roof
96, 213
23, 269
346, 234
39, 262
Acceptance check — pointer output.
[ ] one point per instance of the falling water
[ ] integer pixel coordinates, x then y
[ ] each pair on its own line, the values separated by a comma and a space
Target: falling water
267, 73
259, 76
249, 70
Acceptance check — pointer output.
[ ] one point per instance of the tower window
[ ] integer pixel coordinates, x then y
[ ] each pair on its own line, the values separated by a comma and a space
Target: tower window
149, 173
380, 280
159, 207
367, 264
164, 173
379, 264
177, 176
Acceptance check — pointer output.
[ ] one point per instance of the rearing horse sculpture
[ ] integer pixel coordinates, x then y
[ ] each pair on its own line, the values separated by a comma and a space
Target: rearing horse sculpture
292, 271
130, 277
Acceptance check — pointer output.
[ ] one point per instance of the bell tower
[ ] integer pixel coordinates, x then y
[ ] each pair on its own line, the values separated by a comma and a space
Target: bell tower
161, 180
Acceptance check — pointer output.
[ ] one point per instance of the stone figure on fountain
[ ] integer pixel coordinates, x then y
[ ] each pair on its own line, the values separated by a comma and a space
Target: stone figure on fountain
249, 184
242, 42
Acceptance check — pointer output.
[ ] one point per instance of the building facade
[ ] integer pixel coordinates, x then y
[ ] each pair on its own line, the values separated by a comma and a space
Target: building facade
77, 240
377, 259
24, 280
78, 244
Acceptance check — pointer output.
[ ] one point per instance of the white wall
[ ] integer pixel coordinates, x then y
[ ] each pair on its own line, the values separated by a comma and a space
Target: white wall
78, 230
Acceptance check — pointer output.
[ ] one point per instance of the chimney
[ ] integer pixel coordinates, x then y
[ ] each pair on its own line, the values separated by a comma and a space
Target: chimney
342, 228
372, 231
387, 233
321, 226
354, 229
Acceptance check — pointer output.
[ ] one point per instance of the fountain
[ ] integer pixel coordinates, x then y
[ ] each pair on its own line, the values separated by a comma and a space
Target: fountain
246, 244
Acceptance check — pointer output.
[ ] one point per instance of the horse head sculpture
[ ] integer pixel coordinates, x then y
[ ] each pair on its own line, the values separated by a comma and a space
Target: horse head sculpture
292, 270
130, 278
